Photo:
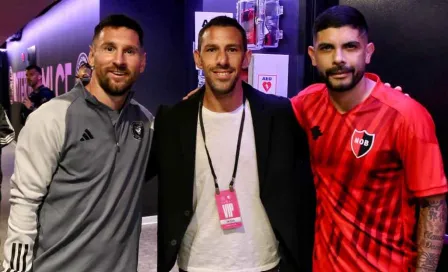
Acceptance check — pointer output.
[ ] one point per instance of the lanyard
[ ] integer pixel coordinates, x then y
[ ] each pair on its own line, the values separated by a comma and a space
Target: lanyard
215, 179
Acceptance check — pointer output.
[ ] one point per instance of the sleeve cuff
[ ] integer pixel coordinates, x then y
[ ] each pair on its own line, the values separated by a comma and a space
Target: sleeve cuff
432, 191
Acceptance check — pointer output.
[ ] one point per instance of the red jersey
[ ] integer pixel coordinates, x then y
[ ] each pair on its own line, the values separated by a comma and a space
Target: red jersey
370, 165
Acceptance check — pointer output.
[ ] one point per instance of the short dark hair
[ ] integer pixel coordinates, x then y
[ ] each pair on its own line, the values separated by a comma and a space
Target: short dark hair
339, 16
223, 21
119, 20
35, 67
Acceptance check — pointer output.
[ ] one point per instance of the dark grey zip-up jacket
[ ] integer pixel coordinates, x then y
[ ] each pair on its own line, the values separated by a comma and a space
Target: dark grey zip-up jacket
76, 187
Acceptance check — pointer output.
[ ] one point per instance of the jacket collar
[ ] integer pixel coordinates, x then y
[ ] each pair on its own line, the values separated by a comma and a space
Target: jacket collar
94, 101
261, 119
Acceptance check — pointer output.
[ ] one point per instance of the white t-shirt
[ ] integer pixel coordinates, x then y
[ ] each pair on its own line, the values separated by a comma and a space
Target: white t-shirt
206, 247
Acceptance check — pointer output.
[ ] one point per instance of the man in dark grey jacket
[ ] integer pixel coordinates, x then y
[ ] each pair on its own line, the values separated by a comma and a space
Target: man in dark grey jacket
79, 169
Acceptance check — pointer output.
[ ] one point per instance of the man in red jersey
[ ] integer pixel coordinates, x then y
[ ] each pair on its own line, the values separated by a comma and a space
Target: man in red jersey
375, 159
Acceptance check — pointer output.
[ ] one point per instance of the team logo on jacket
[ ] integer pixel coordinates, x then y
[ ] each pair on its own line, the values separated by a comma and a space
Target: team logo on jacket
362, 142
137, 130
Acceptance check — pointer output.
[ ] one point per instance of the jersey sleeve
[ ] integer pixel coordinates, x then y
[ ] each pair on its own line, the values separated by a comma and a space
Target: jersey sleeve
297, 106
420, 153
36, 159
298, 102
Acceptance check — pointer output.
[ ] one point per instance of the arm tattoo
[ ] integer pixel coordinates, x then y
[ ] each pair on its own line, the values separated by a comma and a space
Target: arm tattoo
429, 260
431, 229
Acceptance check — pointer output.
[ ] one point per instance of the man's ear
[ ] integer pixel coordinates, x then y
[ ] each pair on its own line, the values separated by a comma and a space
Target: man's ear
311, 53
247, 59
91, 56
143, 64
369, 52
197, 59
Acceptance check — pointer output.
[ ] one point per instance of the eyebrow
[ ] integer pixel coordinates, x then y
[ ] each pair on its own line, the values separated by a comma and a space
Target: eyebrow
126, 46
352, 43
321, 45
108, 44
211, 45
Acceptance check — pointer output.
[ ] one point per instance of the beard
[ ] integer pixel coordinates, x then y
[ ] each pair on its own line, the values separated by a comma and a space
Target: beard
356, 76
220, 88
116, 89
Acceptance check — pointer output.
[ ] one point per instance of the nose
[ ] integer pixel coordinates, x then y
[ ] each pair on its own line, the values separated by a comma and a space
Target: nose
119, 59
338, 56
223, 58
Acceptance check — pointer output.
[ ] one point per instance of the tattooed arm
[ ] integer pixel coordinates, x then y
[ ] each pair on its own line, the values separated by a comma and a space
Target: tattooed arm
431, 229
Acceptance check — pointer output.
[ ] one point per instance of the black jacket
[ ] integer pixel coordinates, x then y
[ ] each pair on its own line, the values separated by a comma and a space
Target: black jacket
286, 189
39, 97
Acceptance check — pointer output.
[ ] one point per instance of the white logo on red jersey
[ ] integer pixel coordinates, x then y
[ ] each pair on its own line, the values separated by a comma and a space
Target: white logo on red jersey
362, 142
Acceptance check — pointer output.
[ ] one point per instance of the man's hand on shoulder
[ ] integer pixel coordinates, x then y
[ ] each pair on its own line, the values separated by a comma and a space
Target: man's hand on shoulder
398, 88
190, 94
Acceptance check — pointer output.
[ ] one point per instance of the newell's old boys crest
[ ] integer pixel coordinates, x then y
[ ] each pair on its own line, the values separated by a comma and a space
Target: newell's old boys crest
362, 143
82, 59
137, 130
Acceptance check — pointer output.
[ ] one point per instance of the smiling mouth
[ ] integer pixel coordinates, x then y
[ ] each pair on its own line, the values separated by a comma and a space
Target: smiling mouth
118, 73
223, 74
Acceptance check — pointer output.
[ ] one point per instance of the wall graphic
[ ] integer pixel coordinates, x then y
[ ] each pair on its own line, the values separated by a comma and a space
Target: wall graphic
57, 41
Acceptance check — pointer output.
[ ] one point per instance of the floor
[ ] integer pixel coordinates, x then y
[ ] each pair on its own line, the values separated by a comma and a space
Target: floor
148, 238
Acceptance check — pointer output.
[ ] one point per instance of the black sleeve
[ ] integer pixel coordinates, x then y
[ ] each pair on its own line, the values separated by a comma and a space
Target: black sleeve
152, 168
160, 130
307, 215
306, 195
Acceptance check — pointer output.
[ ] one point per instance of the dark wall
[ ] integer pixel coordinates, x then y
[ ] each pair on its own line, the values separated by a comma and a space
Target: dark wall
191, 6
165, 79
411, 51
291, 44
